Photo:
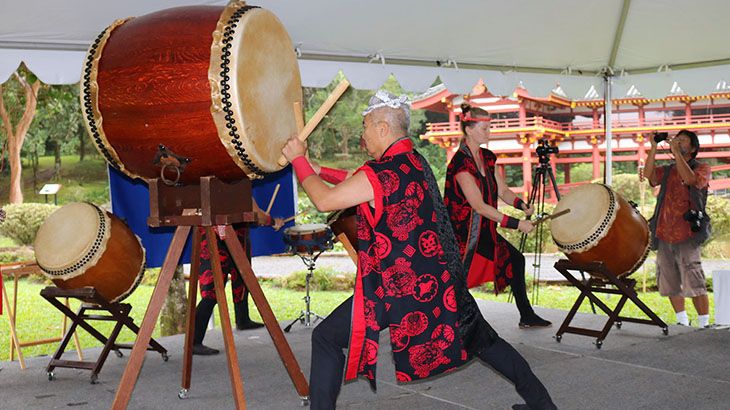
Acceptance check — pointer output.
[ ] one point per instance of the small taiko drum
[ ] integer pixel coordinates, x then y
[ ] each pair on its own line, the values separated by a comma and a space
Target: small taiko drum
81, 245
601, 227
192, 91
308, 239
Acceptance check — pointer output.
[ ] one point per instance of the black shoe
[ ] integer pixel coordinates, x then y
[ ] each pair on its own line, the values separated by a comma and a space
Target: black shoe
534, 321
204, 350
520, 407
248, 325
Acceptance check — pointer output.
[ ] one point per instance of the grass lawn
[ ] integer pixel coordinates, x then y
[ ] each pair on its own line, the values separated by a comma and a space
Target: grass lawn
37, 319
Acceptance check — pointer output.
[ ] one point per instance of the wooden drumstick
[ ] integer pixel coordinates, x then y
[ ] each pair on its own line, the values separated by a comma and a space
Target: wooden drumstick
321, 112
291, 218
273, 197
298, 116
545, 218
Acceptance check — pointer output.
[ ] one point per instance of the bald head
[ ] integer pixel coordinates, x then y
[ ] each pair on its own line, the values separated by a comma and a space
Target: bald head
397, 119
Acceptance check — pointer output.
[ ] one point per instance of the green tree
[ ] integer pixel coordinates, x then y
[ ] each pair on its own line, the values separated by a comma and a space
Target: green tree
18, 100
59, 120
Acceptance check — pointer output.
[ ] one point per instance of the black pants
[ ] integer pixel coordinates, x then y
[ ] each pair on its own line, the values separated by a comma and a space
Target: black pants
331, 336
517, 282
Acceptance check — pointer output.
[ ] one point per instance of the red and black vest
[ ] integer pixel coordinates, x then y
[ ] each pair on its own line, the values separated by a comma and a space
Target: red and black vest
402, 280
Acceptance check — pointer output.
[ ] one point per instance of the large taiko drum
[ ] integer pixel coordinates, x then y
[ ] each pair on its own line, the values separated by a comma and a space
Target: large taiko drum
81, 245
213, 85
601, 227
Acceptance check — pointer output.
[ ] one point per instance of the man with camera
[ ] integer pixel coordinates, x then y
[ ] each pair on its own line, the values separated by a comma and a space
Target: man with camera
677, 222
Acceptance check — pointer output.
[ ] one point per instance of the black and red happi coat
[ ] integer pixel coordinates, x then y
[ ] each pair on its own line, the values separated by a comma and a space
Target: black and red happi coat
402, 279
483, 250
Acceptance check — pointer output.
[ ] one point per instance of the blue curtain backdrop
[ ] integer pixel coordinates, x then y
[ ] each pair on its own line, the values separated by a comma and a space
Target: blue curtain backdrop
130, 201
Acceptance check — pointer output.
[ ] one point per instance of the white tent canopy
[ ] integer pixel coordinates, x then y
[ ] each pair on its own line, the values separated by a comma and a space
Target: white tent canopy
652, 45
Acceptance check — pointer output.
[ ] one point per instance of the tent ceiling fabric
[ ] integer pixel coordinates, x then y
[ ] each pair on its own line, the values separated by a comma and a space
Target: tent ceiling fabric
534, 43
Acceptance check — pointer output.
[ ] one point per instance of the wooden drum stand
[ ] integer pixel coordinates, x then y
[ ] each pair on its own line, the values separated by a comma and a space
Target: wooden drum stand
191, 207
601, 276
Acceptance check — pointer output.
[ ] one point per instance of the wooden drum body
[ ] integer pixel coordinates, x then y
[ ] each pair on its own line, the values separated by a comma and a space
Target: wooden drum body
601, 226
344, 222
81, 245
214, 85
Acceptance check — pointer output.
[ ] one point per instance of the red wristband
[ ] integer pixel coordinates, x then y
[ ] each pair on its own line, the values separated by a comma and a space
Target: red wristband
302, 168
268, 220
509, 222
332, 175
518, 203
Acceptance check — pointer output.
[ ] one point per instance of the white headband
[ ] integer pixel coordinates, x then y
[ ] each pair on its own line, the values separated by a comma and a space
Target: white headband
385, 99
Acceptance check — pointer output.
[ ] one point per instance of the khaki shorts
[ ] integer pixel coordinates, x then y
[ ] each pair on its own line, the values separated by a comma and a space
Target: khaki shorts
679, 269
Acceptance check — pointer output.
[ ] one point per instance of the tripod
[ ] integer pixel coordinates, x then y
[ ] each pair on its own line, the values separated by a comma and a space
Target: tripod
540, 178
537, 198
316, 244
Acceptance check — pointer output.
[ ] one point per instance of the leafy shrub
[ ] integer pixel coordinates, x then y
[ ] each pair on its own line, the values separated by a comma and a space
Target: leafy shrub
628, 186
324, 278
23, 220
719, 210
10, 255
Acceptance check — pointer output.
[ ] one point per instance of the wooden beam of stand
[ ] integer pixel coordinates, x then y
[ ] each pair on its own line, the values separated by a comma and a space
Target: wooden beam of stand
272, 325
192, 302
321, 112
14, 343
234, 369
134, 364
273, 197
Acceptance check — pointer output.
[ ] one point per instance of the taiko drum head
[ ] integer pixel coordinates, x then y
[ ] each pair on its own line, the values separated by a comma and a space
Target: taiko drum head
71, 240
593, 208
215, 86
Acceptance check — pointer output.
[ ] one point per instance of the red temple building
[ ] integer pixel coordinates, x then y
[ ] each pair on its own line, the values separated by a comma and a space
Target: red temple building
577, 128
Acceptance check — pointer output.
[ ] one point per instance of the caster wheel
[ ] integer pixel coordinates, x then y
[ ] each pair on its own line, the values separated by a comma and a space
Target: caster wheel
665, 331
558, 338
305, 401
165, 357
119, 353
599, 343
94, 379
182, 394
51, 376
618, 325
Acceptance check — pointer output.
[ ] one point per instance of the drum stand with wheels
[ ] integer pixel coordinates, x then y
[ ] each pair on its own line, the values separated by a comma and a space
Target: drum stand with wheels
93, 301
206, 205
600, 276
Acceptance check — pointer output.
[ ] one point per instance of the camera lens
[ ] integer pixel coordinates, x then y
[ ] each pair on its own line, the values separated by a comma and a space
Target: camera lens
660, 136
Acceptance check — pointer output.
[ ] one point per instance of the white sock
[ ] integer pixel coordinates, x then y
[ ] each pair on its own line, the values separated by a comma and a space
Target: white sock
704, 320
682, 318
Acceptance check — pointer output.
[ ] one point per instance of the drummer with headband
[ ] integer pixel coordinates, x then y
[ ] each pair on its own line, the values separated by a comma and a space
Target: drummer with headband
471, 193
204, 310
410, 278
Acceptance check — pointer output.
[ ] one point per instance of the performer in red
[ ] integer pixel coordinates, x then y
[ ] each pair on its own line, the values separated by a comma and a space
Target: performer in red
240, 293
406, 280
471, 193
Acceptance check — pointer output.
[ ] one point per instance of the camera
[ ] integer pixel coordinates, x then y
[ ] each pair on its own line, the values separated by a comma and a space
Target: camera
660, 136
544, 148
695, 219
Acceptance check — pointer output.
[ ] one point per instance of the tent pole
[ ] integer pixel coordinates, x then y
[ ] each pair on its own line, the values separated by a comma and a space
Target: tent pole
607, 121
